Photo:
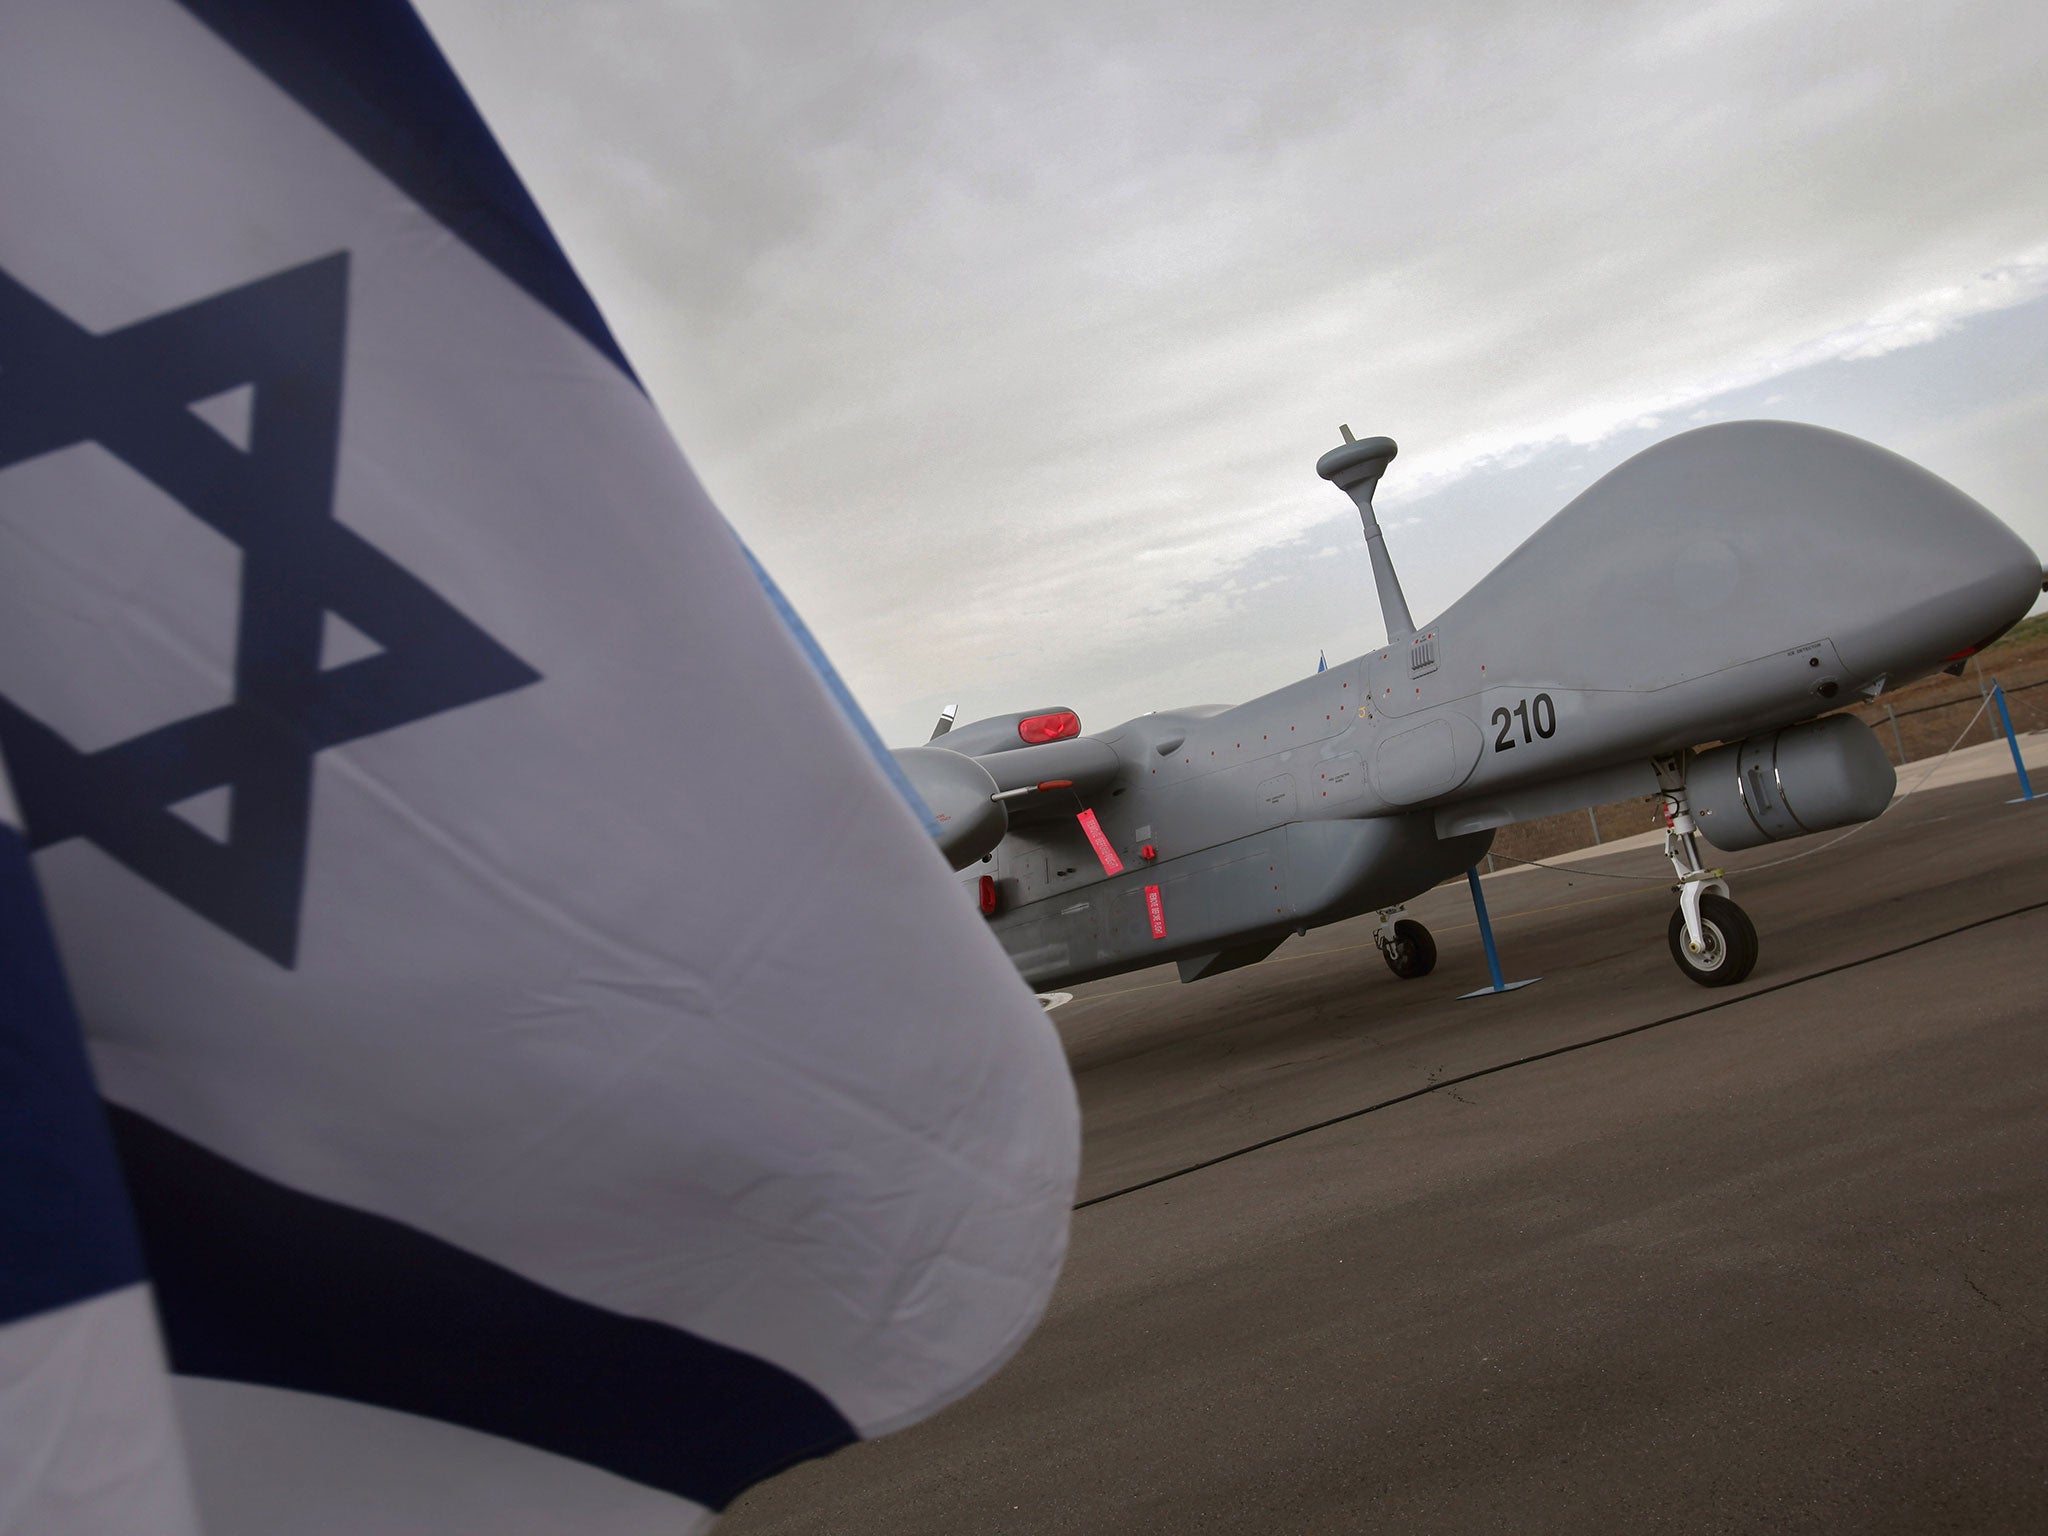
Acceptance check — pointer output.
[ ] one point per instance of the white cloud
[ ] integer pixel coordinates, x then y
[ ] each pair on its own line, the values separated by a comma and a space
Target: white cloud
1009, 337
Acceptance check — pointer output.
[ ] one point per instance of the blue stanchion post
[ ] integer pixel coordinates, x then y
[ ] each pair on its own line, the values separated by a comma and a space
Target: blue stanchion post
1485, 928
2012, 740
1486, 939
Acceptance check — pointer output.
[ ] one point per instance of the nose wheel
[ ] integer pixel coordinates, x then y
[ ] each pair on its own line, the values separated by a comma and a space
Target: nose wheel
1407, 947
1726, 952
1712, 939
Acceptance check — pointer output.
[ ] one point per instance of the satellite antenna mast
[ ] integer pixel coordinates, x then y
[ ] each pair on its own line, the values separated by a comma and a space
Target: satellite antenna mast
1355, 468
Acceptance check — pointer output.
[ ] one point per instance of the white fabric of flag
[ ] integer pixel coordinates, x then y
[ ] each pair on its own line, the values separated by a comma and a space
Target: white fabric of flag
557, 1080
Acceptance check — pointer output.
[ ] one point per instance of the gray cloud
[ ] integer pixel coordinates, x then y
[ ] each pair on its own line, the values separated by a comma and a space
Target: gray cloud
1008, 336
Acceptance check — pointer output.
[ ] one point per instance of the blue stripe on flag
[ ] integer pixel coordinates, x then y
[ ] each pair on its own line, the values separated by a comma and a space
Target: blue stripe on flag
841, 694
370, 72
260, 1283
65, 1230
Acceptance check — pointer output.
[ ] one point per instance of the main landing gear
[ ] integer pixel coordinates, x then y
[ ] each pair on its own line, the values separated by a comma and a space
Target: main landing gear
1405, 945
1712, 939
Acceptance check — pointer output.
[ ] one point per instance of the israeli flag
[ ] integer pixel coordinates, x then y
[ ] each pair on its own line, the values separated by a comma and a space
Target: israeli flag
557, 1081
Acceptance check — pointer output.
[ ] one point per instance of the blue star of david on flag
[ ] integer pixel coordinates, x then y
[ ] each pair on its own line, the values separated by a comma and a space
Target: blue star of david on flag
128, 391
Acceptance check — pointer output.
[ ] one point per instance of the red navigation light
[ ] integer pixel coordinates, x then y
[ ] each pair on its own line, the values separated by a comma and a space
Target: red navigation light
1036, 730
988, 895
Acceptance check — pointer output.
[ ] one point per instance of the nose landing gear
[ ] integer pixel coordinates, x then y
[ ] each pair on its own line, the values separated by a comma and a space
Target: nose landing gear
1406, 945
1712, 939
1726, 950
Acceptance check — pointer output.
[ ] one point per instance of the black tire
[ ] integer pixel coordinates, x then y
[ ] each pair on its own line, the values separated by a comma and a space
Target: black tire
1731, 944
1410, 951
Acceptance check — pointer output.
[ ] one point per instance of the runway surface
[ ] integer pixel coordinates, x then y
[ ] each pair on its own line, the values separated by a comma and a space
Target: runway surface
1610, 1253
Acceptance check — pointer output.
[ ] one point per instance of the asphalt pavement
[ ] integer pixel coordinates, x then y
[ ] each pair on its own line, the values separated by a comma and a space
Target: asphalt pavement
1609, 1253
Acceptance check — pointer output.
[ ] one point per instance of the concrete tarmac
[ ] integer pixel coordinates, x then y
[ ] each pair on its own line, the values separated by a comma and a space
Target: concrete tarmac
1610, 1253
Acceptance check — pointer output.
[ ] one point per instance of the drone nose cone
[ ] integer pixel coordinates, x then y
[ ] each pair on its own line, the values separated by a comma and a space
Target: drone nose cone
1784, 534
1934, 572
1742, 540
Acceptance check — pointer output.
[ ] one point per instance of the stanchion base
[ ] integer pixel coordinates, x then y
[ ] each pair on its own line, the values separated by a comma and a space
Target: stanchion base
2023, 799
1506, 986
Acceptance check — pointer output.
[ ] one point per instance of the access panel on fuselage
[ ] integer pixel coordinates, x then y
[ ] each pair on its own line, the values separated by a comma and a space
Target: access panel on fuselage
1152, 913
1229, 774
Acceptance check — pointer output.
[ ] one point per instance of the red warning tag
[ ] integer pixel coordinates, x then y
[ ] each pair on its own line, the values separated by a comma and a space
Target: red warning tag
1156, 910
1111, 864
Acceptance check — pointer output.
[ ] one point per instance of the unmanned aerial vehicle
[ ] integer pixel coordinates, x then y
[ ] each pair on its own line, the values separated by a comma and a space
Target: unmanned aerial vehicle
1686, 628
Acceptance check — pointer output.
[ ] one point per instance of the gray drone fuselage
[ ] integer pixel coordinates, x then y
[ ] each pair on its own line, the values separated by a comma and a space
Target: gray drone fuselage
1717, 587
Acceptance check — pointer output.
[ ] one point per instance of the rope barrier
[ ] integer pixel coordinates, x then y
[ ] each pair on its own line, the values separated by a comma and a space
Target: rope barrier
1922, 709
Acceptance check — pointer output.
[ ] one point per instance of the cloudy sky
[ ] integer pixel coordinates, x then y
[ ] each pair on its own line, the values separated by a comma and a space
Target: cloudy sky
1008, 335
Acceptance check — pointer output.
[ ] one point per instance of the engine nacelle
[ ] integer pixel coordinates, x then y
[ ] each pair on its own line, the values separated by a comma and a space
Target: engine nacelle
1805, 778
961, 797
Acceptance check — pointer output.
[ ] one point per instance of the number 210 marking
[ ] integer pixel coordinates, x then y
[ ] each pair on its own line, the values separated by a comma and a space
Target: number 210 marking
1541, 712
